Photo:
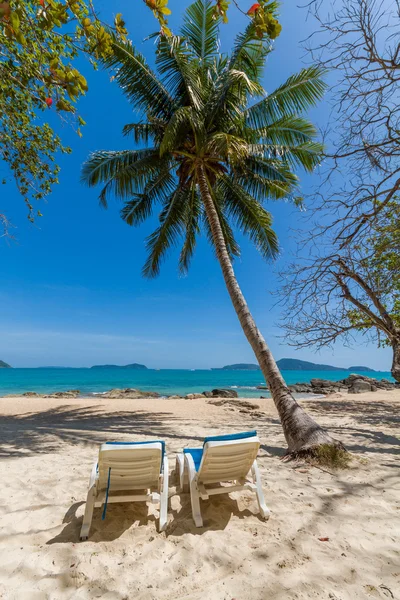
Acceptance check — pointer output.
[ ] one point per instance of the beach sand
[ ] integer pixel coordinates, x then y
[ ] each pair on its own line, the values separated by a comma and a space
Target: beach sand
47, 447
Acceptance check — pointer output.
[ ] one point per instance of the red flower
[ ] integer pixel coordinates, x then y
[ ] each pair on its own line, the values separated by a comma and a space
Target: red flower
49, 102
41, 2
253, 9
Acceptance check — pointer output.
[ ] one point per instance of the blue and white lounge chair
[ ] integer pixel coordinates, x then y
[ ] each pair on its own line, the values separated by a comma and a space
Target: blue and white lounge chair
223, 458
126, 467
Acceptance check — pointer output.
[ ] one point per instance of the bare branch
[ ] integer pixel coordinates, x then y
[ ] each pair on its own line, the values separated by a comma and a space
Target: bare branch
359, 41
5, 226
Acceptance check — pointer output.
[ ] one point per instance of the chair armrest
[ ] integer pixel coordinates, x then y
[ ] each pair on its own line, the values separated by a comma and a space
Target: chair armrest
93, 476
190, 465
165, 468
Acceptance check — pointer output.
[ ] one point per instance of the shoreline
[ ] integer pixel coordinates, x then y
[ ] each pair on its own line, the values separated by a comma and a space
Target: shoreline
316, 388
145, 395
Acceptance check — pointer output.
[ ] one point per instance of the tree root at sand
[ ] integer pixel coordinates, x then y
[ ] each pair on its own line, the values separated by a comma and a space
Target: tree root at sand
333, 455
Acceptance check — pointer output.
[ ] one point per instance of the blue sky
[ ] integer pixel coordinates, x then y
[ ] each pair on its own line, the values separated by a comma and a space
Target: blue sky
71, 289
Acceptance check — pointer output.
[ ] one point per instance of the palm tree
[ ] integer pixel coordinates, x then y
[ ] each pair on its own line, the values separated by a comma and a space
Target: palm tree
216, 146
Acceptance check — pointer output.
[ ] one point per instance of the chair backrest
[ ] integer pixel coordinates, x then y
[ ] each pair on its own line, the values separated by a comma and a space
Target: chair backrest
129, 466
227, 460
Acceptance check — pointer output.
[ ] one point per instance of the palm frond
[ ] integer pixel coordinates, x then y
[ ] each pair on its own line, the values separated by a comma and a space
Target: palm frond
137, 80
231, 148
288, 130
144, 132
249, 53
296, 95
172, 227
124, 172
138, 209
201, 29
182, 124
250, 217
230, 95
271, 168
306, 155
238, 77
265, 178
177, 65
192, 227
263, 189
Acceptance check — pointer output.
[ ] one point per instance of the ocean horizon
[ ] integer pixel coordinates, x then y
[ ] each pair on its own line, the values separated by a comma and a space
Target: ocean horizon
166, 382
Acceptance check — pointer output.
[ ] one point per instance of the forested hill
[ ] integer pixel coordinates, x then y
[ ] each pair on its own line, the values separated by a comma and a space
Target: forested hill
292, 364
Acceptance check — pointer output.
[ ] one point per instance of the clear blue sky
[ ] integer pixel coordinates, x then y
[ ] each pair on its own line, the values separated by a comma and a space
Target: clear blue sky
71, 290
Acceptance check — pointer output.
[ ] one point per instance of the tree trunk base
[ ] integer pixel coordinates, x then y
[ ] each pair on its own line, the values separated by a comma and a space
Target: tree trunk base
329, 454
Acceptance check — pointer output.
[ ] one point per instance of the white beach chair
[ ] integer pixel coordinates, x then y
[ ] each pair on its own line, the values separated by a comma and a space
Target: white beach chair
224, 458
122, 469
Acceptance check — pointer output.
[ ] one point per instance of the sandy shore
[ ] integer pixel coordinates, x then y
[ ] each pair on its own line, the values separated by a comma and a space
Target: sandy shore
48, 445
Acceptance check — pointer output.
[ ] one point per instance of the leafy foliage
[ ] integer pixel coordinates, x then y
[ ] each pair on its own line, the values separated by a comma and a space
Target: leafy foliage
39, 41
265, 21
160, 11
206, 109
380, 258
263, 13
221, 10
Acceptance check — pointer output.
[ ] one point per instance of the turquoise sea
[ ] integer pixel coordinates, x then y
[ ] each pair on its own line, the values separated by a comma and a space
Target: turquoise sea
164, 381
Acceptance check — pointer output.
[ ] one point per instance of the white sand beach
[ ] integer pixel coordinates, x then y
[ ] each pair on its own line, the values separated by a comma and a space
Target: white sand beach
47, 447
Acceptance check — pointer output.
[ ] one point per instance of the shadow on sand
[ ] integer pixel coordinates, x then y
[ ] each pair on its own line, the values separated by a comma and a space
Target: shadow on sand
373, 413
45, 431
216, 512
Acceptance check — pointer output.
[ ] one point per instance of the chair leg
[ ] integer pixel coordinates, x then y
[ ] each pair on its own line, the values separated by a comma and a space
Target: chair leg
194, 492
164, 497
264, 510
87, 519
90, 500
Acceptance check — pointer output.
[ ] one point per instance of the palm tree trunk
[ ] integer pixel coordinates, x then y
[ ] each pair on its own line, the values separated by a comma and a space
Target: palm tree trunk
302, 433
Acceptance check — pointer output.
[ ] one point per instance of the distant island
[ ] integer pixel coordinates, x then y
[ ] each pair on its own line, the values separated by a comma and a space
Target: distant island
4, 365
366, 369
293, 364
53, 367
133, 366
238, 367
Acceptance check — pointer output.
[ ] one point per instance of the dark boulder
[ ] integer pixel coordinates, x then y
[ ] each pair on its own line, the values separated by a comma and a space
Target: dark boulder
324, 383
301, 388
358, 386
353, 384
221, 393
130, 393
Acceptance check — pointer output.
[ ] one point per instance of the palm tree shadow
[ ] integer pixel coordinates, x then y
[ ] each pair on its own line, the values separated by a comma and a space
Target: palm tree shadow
45, 431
